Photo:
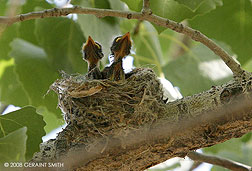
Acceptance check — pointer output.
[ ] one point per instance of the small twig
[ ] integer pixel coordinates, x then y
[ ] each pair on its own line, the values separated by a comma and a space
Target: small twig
229, 164
146, 7
178, 27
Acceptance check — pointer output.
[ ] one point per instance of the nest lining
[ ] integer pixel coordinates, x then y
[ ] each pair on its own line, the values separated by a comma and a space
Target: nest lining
101, 108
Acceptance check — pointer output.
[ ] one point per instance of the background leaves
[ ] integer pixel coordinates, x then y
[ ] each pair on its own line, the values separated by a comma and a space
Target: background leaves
61, 38
25, 117
32, 52
231, 24
13, 147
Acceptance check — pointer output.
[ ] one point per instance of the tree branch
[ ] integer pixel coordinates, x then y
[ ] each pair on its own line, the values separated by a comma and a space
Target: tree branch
195, 165
194, 122
229, 164
178, 27
146, 7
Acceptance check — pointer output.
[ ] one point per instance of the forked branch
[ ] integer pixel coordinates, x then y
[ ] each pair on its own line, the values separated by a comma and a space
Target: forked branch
146, 7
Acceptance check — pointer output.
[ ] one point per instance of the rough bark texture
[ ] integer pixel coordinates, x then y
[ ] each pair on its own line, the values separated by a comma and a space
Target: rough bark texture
194, 122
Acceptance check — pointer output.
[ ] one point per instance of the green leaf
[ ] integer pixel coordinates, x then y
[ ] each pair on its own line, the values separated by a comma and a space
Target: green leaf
25, 117
232, 145
192, 4
13, 147
234, 149
172, 10
99, 30
168, 39
35, 74
231, 24
104, 4
117, 5
26, 28
101, 4
152, 49
30, 5
52, 121
62, 40
248, 66
5, 38
245, 138
190, 72
11, 91
134, 5
3, 5
148, 49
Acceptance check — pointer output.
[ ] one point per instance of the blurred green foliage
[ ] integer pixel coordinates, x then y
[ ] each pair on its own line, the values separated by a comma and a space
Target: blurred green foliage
32, 52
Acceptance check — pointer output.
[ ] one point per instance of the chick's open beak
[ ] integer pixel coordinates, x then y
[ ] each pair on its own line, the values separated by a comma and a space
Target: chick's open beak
90, 42
126, 37
125, 45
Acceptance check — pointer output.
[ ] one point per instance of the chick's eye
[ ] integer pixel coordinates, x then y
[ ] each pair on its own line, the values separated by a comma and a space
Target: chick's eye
97, 45
119, 38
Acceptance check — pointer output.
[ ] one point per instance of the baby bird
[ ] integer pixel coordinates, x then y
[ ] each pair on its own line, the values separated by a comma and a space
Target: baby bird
120, 48
92, 53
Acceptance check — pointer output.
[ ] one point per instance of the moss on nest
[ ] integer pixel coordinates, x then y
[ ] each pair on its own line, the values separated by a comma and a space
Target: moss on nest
101, 108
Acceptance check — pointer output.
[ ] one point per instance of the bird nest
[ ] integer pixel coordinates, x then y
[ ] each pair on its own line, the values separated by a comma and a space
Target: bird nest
101, 108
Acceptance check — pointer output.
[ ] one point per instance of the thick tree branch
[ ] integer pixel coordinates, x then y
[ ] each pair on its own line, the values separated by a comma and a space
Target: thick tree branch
194, 122
178, 27
229, 164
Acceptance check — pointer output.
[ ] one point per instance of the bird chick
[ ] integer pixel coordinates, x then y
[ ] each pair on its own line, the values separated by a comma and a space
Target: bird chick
92, 53
120, 48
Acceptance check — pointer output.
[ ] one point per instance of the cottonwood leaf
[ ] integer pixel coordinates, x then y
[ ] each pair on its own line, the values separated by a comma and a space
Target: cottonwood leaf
11, 91
192, 4
35, 74
62, 40
24, 117
134, 5
231, 24
13, 147
191, 72
172, 10
27, 28
6, 37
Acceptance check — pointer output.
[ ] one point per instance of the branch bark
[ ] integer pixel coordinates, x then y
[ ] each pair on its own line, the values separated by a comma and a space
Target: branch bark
194, 122
229, 164
178, 27
146, 7
195, 165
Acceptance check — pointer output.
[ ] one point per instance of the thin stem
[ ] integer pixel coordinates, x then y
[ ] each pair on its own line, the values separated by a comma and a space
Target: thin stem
137, 27
229, 164
178, 27
146, 7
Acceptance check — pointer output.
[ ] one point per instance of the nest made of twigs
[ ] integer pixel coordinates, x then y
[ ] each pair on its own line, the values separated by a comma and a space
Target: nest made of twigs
106, 108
